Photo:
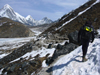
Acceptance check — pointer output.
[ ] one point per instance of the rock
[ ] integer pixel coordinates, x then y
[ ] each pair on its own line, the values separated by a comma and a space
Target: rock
25, 64
16, 53
59, 46
37, 56
73, 37
11, 68
35, 48
38, 43
48, 41
55, 55
1, 66
33, 63
49, 60
66, 49
25, 67
61, 50
66, 43
50, 46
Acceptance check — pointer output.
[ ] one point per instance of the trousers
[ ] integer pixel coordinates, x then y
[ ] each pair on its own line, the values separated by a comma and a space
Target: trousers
85, 44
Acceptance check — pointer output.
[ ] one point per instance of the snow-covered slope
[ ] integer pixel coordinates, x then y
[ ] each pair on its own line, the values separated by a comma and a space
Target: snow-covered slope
71, 64
7, 11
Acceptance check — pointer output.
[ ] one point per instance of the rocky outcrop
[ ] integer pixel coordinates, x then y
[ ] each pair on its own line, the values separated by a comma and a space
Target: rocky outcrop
66, 48
61, 50
17, 53
50, 38
25, 67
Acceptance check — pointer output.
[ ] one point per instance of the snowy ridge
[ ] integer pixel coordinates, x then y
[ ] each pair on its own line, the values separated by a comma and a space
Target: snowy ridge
7, 11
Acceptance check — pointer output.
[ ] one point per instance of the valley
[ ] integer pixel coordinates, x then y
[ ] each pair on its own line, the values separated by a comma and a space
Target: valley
51, 48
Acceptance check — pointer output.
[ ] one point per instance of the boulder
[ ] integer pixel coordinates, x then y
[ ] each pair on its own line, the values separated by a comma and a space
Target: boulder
66, 43
64, 50
59, 46
61, 50
73, 37
49, 60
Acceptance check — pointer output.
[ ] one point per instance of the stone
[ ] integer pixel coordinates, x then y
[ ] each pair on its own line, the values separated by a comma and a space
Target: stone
50, 46
49, 60
61, 50
73, 37
59, 46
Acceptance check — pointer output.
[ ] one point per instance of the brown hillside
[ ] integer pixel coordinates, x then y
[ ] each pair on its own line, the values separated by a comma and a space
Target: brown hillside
91, 14
11, 29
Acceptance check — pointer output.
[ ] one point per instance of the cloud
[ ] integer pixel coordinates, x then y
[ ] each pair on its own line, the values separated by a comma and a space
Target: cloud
66, 3
39, 9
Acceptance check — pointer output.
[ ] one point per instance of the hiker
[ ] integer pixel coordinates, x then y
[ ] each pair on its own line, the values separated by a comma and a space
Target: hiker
86, 35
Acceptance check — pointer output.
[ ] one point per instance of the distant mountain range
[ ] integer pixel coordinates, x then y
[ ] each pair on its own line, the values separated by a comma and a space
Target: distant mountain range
8, 12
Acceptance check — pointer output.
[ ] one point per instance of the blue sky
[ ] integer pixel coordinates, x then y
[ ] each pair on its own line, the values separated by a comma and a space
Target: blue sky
38, 9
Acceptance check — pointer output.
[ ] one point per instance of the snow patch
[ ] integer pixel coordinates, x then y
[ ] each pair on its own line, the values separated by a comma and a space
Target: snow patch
71, 63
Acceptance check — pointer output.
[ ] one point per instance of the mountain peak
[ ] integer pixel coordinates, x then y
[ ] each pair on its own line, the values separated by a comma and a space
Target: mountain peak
29, 16
7, 11
7, 6
45, 18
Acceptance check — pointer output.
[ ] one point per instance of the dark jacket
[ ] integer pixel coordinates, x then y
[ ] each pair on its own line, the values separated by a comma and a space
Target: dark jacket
90, 34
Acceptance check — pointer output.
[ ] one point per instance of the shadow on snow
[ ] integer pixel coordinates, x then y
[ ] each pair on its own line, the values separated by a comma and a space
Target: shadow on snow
62, 65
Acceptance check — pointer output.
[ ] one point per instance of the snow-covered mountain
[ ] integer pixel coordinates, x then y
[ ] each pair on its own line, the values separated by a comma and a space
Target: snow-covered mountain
44, 21
30, 20
7, 11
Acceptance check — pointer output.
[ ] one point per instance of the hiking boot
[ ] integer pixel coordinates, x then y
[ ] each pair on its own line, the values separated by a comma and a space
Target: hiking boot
84, 59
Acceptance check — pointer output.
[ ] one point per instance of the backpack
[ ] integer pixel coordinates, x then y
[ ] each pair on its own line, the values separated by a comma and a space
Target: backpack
87, 32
